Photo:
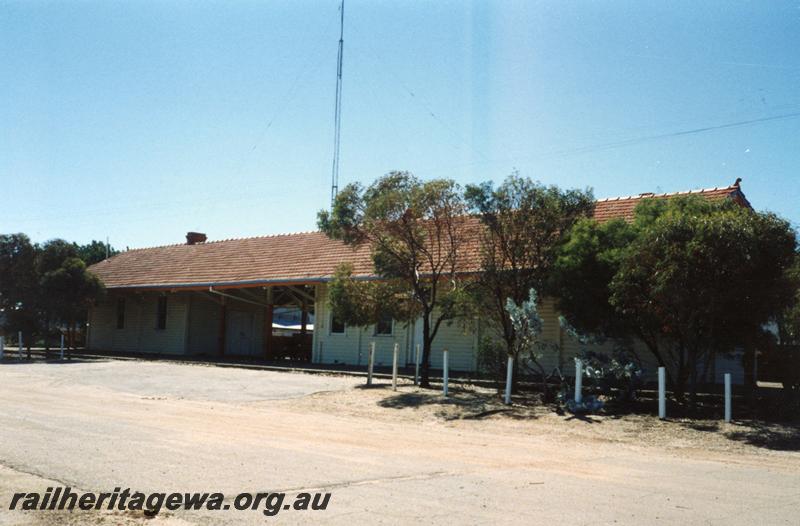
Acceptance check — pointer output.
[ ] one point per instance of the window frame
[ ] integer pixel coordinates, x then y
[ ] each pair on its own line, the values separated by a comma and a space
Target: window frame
376, 332
333, 332
161, 313
120, 313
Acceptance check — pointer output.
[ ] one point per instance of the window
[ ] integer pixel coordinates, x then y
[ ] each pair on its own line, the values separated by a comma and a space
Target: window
384, 325
121, 313
337, 325
161, 313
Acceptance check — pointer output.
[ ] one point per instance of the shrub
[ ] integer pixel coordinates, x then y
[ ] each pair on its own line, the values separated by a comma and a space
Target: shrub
492, 359
617, 376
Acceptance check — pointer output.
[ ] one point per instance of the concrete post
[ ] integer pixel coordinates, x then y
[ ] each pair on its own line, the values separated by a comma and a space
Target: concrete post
662, 393
445, 372
61, 354
370, 362
578, 381
416, 367
394, 366
19, 340
509, 373
727, 397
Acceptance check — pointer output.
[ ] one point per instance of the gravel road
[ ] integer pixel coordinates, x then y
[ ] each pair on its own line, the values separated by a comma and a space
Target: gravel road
385, 457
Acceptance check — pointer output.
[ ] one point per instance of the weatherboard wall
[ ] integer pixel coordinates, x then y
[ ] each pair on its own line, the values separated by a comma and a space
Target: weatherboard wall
140, 333
193, 323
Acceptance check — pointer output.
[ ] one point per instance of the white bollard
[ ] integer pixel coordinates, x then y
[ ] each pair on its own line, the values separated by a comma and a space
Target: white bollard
2, 347
727, 397
578, 381
61, 354
445, 373
509, 373
416, 367
19, 353
394, 366
662, 393
370, 362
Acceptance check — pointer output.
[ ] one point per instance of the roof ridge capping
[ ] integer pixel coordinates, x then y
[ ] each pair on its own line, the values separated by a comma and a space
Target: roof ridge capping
265, 236
643, 195
647, 195
282, 234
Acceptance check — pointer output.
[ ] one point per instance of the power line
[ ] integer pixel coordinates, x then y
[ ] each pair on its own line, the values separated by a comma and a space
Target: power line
294, 88
649, 138
423, 105
635, 141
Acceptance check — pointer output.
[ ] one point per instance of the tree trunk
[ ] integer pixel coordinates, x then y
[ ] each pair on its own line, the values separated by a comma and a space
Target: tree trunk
424, 380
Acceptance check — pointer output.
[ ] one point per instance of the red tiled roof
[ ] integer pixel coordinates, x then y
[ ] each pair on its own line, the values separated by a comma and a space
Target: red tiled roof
623, 207
302, 257
294, 258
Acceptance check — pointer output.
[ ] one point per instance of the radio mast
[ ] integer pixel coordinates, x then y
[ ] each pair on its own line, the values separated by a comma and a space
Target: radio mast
337, 126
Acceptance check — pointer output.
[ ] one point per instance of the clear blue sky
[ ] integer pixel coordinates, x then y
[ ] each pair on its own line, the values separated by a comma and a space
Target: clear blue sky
141, 120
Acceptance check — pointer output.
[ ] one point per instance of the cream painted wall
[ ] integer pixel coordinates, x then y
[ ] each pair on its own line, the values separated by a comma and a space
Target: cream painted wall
139, 333
193, 325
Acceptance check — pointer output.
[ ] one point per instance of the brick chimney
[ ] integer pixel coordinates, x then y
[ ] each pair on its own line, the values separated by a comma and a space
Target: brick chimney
193, 238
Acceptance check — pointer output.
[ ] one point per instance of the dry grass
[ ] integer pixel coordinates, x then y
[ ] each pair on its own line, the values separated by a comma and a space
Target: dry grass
483, 408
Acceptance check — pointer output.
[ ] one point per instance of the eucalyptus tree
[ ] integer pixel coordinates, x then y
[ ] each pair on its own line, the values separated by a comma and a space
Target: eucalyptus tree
416, 232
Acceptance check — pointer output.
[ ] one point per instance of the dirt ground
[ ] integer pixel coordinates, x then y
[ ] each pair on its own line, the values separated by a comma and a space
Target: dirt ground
385, 457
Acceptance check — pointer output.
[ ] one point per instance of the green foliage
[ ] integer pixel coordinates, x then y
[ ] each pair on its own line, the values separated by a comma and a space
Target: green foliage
789, 320
586, 264
524, 223
361, 303
40, 285
617, 376
412, 230
528, 348
688, 277
526, 322
17, 269
53, 254
70, 289
19, 294
492, 358
95, 252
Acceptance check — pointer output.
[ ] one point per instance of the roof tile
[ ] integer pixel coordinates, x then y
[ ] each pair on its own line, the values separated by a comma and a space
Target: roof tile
297, 258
